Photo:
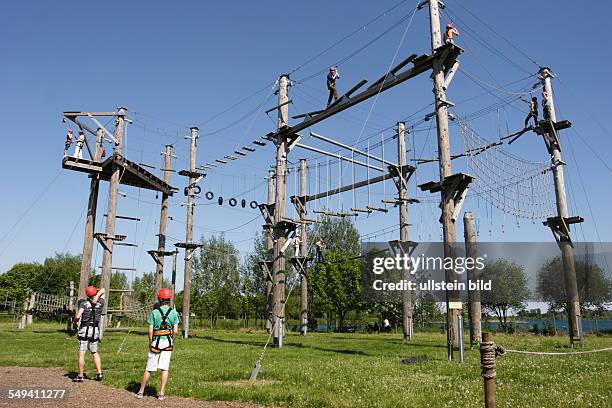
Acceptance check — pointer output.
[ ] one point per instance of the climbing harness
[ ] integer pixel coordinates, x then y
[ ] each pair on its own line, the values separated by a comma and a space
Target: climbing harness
164, 331
90, 325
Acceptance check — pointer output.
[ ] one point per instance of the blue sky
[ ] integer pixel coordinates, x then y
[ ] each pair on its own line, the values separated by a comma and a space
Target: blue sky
180, 65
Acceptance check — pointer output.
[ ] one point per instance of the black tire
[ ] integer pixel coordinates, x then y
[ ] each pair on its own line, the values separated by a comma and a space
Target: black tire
253, 204
220, 200
243, 203
232, 202
210, 195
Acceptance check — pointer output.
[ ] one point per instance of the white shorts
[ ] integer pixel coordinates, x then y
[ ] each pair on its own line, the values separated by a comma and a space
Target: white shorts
159, 361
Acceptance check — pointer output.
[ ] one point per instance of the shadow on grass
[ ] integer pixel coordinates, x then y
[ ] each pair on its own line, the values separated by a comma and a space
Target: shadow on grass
294, 345
135, 386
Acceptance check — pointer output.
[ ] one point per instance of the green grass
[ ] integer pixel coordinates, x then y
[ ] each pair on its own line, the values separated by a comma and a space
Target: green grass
336, 370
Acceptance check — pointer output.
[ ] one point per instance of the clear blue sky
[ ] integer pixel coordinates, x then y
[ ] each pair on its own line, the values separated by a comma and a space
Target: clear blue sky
175, 65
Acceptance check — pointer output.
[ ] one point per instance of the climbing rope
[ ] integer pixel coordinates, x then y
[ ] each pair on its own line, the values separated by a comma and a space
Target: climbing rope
544, 353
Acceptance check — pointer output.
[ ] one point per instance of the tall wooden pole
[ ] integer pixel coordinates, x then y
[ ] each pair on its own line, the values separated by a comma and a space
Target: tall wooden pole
448, 226
473, 275
279, 213
174, 256
565, 244
189, 234
303, 255
488, 376
90, 221
107, 257
163, 223
270, 256
403, 220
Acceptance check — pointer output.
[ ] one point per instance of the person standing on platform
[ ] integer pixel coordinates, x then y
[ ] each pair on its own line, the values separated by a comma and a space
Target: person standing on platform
450, 32
68, 142
78, 151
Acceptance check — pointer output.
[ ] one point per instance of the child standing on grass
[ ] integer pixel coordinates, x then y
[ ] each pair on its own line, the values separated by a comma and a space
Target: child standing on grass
88, 318
163, 329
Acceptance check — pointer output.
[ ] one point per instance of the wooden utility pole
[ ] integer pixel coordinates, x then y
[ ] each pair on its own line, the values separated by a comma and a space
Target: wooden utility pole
269, 256
302, 257
163, 223
107, 257
279, 212
90, 221
403, 222
174, 256
564, 241
189, 233
473, 275
448, 225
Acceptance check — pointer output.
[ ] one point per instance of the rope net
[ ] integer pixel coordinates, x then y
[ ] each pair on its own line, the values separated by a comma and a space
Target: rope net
509, 183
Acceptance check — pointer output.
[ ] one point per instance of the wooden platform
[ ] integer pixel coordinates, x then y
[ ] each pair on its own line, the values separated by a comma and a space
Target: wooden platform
133, 174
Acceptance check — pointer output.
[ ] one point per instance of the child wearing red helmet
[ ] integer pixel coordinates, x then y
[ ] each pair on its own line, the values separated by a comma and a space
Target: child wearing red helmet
88, 318
163, 329
68, 142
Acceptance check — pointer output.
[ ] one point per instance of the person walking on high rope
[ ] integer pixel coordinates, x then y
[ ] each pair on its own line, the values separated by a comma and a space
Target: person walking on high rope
533, 112
332, 77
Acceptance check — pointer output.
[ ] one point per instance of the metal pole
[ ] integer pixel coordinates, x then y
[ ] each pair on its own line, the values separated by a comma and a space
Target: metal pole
90, 221
565, 244
403, 223
279, 213
107, 257
303, 255
461, 343
448, 226
473, 275
163, 223
189, 235
270, 256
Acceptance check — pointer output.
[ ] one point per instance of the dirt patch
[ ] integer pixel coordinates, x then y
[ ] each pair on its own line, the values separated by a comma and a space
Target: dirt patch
88, 393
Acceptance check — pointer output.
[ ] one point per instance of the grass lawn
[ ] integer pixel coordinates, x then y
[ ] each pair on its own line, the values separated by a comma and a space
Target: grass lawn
336, 370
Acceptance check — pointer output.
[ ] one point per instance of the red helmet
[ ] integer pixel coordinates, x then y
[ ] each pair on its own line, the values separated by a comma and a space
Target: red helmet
332, 68
449, 25
91, 291
164, 293
69, 130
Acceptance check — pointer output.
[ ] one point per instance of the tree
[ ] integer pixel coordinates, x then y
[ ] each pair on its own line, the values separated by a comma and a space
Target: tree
53, 276
508, 289
426, 309
336, 284
216, 282
594, 289
19, 280
253, 280
144, 288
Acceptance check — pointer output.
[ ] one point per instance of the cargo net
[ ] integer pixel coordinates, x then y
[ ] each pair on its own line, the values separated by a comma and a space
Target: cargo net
44, 302
507, 182
133, 309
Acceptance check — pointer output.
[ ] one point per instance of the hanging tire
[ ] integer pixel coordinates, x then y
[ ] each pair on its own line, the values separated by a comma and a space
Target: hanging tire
253, 204
210, 195
243, 203
220, 200
186, 191
232, 202
197, 190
